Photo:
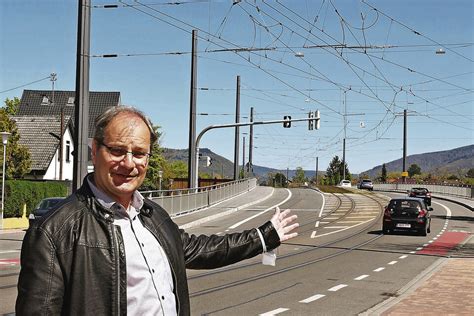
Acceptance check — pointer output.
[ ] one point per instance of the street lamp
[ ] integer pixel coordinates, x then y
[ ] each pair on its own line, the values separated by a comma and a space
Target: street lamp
5, 141
160, 175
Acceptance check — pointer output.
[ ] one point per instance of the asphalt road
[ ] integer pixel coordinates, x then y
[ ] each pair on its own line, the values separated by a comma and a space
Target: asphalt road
340, 264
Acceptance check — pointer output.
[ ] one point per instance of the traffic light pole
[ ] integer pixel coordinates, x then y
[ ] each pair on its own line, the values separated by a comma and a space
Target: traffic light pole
198, 139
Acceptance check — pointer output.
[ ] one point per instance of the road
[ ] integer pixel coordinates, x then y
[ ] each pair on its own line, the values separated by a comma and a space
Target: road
340, 264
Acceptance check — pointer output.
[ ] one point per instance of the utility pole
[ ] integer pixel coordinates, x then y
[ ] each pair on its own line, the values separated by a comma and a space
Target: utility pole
192, 160
287, 169
317, 158
344, 140
243, 158
404, 146
237, 136
81, 107
250, 167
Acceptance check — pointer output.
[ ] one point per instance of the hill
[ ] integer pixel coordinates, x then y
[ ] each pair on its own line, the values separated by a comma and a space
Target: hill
221, 165
455, 161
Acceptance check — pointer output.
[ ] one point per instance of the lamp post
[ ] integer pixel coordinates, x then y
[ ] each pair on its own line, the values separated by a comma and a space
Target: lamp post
5, 141
160, 176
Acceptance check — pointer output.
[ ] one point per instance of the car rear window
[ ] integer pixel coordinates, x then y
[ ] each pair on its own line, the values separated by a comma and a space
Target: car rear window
399, 205
366, 180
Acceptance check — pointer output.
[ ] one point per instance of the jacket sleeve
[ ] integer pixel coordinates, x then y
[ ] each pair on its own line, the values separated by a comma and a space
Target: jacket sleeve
208, 252
40, 284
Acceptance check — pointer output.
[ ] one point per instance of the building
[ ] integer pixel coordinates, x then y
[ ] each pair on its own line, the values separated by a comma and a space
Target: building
39, 125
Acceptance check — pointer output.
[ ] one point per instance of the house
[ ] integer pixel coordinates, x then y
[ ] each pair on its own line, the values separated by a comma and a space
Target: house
40, 134
39, 120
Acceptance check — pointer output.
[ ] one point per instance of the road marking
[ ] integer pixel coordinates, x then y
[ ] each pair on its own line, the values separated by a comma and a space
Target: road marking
322, 206
412, 252
335, 227
337, 287
317, 224
9, 251
258, 214
403, 257
331, 217
361, 277
425, 245
419, 248
313, 234
379, 269
275, 312
337, 231
312, 298
392, 262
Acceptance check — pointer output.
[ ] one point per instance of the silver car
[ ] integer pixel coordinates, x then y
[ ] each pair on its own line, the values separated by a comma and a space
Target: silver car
365, 184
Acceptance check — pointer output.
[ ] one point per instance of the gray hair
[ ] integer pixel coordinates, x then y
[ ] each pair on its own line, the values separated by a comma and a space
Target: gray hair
104, 119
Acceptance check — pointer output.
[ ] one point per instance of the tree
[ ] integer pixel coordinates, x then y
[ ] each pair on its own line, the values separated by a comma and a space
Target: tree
280, 180
299, 176
413, 170
383, 177
335, 169
18, 161
470, 173
156, 163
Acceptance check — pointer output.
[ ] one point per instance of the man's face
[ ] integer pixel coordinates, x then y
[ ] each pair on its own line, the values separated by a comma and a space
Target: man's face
118, 174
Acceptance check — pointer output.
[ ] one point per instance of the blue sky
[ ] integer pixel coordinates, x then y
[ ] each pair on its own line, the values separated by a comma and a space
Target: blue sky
367, 59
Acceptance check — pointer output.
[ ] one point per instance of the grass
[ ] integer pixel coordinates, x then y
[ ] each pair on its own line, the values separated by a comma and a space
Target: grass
333, 189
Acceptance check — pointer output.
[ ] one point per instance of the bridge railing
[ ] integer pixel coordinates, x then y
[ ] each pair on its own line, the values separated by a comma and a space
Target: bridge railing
460, 191
182, 201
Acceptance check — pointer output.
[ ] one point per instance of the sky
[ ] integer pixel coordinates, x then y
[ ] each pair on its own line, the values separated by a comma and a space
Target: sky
360, 63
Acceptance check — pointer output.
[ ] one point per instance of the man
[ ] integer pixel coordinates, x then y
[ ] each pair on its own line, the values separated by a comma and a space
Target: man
106, 250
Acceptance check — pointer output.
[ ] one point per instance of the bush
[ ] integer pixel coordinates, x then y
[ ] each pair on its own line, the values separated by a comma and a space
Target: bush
20, 192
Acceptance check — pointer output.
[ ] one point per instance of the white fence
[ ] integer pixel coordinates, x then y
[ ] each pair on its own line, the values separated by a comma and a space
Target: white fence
460, 191
185, 200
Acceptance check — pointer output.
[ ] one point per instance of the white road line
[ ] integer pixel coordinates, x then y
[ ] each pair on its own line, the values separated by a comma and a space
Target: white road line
258, 214
336, 231
337, 287
448, 211
412, 252
392, 262
419, 248
379, 269
361, 277
9, 251
322, 206
348, 222
425, 245
275, 312
335, 227
313, 234
403, 257
312, 298
317, 224
331, 217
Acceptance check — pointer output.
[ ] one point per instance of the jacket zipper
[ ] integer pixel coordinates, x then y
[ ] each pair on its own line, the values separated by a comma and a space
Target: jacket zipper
117, 264
169, 260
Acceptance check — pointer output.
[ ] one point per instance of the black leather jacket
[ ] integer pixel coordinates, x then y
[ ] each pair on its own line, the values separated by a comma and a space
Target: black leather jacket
73, 259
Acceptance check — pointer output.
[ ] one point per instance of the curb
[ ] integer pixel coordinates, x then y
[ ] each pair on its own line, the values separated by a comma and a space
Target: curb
215, 216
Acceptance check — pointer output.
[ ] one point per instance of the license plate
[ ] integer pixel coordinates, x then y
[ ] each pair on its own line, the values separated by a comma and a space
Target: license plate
403, 225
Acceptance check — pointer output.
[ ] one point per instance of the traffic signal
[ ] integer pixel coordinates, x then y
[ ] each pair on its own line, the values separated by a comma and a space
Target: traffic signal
310, 122
317, 119
287, 122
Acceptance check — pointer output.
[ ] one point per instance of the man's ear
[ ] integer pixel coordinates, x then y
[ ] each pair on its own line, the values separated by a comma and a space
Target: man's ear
95, 147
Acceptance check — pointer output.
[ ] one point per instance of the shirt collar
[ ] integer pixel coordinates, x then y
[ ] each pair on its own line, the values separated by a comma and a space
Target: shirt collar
109, 203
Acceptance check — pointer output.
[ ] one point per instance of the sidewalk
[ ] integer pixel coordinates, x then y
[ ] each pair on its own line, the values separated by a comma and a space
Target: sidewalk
224, 208
446, 288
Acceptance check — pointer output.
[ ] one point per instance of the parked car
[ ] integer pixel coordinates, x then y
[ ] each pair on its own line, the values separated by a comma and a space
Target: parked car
422, 193
43, 207
406, 213
345, 184
365, 184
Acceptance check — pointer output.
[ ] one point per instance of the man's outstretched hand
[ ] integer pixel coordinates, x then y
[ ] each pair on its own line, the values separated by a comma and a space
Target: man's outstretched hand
281, 221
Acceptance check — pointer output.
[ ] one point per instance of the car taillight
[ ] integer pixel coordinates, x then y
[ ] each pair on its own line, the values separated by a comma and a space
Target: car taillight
421, 215
387, 214
428, 194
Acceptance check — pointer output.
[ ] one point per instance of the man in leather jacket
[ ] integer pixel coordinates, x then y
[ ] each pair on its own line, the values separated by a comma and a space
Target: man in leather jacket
107, 250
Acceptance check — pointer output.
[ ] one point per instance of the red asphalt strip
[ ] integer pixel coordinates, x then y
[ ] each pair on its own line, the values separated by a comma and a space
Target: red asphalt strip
443, 244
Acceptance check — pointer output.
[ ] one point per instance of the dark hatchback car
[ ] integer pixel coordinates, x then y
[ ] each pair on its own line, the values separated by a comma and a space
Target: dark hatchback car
422, 193
43, 207
409, 214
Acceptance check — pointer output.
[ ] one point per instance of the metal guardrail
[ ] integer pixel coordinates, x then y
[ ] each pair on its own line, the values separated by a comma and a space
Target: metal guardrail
182, 201
460, 191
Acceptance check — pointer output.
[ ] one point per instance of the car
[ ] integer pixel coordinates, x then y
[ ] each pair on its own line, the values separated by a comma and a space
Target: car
43, 207
422, 193
365, 184
345, 184
407, 214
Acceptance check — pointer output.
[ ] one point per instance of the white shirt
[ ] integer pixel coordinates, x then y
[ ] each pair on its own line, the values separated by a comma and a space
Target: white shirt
149, 278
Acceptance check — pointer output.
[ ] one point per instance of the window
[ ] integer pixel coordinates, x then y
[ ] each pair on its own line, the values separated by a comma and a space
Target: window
68, 151
45, 100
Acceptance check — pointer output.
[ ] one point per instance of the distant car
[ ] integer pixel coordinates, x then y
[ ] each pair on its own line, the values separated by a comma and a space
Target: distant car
365, 184
43, 207
406, 213
345, 184
422, 193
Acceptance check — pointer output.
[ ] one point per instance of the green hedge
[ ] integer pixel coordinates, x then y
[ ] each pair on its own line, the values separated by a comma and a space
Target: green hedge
19, 192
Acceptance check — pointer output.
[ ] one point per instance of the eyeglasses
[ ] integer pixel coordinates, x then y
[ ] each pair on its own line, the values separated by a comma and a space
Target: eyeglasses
118, 154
